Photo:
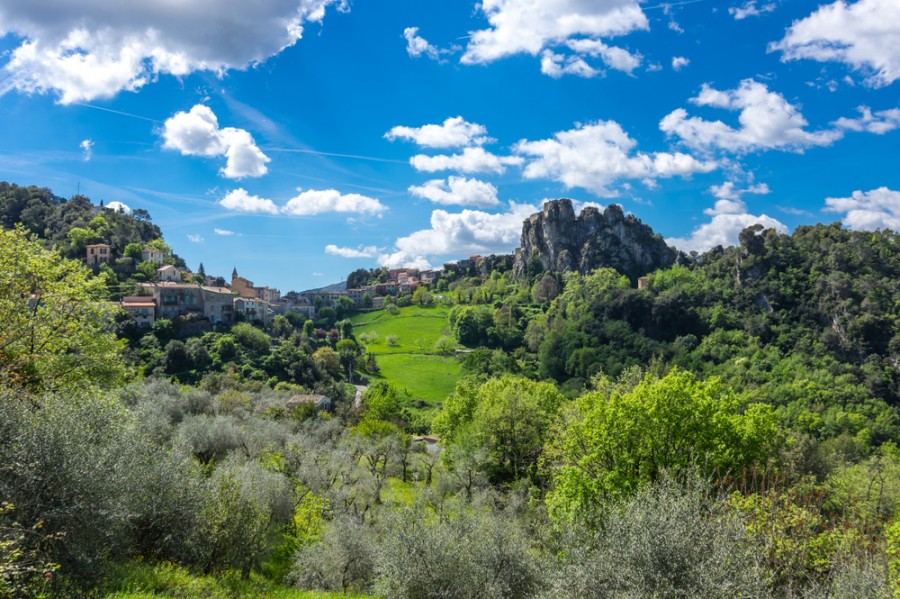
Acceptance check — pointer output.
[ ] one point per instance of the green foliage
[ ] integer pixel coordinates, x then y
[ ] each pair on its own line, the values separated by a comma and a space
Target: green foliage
251, 337
56, 330
672, 539
508, 418
383, 402
614, 440
474, 555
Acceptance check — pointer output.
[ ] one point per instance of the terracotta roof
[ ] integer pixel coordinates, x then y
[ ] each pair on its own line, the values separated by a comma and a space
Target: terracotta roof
138, 301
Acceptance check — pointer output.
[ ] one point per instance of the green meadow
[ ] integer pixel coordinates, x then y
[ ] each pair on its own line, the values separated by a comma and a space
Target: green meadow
411, 363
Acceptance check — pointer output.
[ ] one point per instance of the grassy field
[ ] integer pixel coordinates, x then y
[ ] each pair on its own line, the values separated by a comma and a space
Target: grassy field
412, 363
137, 580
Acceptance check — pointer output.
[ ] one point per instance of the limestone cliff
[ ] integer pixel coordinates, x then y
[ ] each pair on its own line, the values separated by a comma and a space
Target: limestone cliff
556, 240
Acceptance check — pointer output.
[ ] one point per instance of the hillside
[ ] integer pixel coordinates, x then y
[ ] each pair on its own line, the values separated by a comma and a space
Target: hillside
404, 345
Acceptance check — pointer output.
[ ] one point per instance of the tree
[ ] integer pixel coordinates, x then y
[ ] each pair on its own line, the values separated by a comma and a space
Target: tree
327, 361
421, 296
445, 345
383, 402
629, 432
133, 251
348, 351
56, 330
201, 271
507, 417
309, 329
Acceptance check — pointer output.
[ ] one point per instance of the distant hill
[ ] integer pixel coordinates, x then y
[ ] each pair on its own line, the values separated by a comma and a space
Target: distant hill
342, 286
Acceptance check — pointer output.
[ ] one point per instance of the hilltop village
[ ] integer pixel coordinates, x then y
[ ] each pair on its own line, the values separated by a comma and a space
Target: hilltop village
205, 301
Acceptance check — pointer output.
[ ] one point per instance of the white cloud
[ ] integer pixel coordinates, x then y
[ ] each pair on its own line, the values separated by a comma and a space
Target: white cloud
241, 201
729, 197
472, 160
95, 49
530, 26
596, 155
314, 201
197, 133
457, 191
556, 65
223, 232
117, 206
613, 57
750, 9
456, 235
864, 35
767, 121
679, 62
869, 210
306, 203
454, 132
362, 252
196, 238
87, 146
723, 230
417, 45
879, 123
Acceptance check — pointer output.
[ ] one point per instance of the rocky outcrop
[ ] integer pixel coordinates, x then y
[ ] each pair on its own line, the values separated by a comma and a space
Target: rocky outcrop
558, 241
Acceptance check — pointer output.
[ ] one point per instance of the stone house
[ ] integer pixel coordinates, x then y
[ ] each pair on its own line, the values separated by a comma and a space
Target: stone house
168, 273
321, 402
253, 308
98, 253
218, 304
141, 309
149, 254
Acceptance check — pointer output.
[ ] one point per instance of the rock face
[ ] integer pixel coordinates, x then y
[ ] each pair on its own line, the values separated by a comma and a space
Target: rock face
558, 241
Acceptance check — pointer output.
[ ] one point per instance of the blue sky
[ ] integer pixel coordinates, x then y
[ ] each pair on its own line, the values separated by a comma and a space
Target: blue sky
301, 139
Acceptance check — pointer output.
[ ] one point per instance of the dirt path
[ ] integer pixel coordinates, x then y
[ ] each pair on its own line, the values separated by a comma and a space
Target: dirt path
360, 389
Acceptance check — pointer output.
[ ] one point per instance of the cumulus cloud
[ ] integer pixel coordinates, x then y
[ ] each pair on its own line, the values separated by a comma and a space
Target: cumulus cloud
471, 160
306, 203
241, 201
767, 121
729, 197
878, 123
613, 57
417, 45
456, 235
197, 133
457, 191
556, 65
868, 210
87, 147
195, 238
361, 252
864, 35
679, 62
597, 155
223, 232
118, 207
723, 230
454, 132
95, 49
313, 201
530, 26
750, 9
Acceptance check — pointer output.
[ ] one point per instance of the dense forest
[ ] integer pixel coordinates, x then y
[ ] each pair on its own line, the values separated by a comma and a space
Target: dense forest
724, 427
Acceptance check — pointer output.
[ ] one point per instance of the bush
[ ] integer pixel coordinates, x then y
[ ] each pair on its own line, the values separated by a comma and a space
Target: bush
669, 540
473, 555
343, 560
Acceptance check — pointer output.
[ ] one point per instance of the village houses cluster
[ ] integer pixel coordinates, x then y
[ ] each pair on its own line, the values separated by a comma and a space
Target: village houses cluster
176, 293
